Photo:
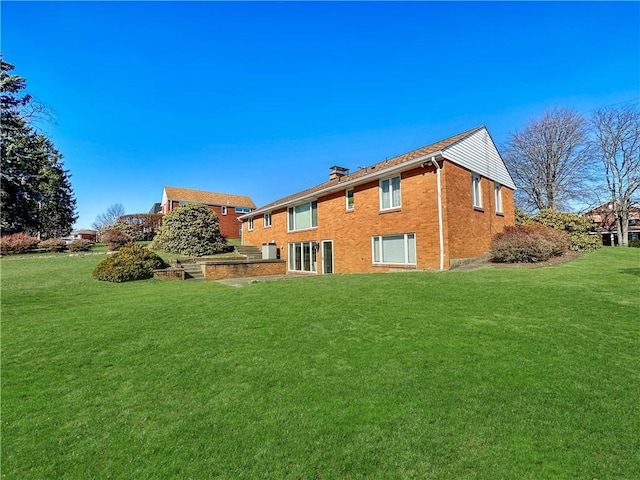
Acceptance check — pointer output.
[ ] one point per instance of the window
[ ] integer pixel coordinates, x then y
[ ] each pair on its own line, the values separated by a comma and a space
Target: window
303, 216
396, 249
497, 190
349, 199
224, 210
250, 224
633, 222
303, 257
476, 190
390, 193
267, 219
243, 209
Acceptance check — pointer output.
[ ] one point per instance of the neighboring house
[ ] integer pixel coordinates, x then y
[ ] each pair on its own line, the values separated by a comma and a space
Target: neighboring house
422, 210
227, 206
604, 223
91, 235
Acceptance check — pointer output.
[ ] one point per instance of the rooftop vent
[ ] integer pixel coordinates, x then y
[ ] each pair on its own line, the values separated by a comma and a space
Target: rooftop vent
337, 172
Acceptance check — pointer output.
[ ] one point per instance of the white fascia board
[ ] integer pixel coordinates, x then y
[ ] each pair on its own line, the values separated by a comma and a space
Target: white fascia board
344, 185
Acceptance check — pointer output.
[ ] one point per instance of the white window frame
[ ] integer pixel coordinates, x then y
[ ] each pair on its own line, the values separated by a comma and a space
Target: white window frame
267, 220
377, 249
497, 191
296, 248
224, 210
395, 199
250, 224
349, 205
291, 217
243, 209
476, 190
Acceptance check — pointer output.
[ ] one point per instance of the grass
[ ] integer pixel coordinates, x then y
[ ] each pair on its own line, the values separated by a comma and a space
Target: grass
487, 374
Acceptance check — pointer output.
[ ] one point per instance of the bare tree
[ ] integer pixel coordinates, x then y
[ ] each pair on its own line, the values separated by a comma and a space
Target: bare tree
617, 144
547, 159
108, 218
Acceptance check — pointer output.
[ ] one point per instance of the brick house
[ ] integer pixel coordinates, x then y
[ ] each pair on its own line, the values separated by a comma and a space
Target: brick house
228, 207
604, 223
423, 210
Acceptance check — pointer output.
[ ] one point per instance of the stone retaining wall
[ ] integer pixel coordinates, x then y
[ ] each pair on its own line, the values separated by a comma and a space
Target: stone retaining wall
236, 269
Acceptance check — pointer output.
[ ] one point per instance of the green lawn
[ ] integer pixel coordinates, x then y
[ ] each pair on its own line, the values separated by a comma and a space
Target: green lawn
486, 374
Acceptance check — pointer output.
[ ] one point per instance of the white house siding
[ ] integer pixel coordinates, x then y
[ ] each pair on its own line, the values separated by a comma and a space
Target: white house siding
478, 153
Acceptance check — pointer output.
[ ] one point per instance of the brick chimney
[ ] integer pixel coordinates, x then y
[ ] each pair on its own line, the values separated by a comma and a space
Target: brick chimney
337, 172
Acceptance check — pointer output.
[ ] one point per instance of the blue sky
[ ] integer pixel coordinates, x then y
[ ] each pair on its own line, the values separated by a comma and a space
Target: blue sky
260, 98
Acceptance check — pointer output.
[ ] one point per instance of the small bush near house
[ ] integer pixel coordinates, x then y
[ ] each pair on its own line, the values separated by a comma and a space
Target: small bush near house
80, 245
115, 239
634, 243
17, 243
132, 262
576, 226
528, 244
53, 245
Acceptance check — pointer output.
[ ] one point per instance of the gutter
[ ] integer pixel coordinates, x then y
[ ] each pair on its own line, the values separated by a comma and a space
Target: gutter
433, 162
380, 173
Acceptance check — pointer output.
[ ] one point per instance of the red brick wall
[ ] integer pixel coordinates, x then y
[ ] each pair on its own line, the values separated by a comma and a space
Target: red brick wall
467, 233
470, 230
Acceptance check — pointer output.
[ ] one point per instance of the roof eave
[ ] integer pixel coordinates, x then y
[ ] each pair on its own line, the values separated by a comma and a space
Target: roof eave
341, 185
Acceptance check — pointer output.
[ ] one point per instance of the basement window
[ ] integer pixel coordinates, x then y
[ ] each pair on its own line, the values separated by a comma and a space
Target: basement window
395, 249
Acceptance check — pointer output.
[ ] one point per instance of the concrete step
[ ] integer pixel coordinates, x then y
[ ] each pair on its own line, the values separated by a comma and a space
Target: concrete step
193, 270
250, 251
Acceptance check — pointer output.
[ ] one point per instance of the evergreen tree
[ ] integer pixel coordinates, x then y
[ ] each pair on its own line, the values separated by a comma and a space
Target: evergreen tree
35, 193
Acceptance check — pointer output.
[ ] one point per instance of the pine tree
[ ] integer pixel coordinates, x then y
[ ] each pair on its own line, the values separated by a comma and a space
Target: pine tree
35, 192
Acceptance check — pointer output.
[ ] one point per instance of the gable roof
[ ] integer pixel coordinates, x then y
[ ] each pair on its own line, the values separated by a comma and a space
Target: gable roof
473, 149
210, 198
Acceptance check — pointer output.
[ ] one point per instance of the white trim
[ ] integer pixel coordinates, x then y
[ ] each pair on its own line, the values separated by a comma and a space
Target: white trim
264, 220
476, 190
380, 249
250, 224
391, 192
497, 197
313, 260
332, 257
353, 199
223, 209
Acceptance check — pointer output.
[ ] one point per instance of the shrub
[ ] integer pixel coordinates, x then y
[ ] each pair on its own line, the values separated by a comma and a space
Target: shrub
528, 244
583, 242
115, 239
634, 243
192, 229
575, 225
17, 243
53, 245
131, 262
80, 245
522, 218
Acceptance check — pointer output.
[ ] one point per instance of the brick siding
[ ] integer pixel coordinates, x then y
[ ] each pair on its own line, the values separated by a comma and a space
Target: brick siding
467, 232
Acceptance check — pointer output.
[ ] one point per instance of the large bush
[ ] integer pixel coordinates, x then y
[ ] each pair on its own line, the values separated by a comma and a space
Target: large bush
131, 262
192, 229
528, 244
115, 239
576, 226
17, 243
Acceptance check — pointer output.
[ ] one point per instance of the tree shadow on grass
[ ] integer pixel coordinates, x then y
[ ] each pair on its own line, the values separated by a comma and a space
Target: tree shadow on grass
631, 271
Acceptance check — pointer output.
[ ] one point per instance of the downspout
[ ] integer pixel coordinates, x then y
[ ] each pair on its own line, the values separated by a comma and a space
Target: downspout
440, 228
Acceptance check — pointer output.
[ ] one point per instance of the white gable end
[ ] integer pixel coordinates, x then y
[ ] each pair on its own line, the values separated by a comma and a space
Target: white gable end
478, 153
